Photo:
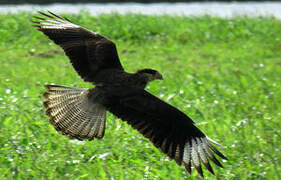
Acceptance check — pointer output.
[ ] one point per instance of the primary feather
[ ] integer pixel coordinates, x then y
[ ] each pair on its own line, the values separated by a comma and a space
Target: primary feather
81, 113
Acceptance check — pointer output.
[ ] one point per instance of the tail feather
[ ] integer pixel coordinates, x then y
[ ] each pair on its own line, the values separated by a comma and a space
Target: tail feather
73, 113
52, 104
55, 97
57, 89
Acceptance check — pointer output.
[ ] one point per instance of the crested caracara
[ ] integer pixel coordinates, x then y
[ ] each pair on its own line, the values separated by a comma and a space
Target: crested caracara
81, 113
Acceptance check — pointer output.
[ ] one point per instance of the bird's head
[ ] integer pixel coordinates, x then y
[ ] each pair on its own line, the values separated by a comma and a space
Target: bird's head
150, 74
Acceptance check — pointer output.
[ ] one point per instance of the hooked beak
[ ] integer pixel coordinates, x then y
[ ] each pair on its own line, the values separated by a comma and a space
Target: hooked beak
158, 76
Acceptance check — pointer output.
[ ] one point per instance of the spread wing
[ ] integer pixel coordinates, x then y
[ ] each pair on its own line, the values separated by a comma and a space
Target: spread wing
88, 52
167, 128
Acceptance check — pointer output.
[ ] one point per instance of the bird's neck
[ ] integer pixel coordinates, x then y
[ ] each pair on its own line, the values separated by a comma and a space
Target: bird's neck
141, 80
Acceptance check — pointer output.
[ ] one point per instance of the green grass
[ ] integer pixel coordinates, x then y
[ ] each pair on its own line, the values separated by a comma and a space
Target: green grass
224, 73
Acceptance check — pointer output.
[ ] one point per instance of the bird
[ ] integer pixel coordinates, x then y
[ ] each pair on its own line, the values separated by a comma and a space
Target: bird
81, 113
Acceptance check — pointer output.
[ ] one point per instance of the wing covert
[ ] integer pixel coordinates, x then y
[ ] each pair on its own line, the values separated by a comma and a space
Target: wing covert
88, 52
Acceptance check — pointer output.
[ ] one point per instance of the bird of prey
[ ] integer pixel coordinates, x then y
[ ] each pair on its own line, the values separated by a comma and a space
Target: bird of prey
81, 113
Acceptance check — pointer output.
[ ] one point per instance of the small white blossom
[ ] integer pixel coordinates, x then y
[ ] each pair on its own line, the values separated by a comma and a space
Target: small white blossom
8, 91
188, 105
102, 156
75, 161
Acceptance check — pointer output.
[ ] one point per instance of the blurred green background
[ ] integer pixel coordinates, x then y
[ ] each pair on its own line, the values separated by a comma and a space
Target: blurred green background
224, 73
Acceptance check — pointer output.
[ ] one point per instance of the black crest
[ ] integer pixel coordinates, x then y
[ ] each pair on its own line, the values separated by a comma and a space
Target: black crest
149, 71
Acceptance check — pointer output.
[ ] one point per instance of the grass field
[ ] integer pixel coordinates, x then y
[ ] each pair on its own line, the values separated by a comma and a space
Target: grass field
224, 73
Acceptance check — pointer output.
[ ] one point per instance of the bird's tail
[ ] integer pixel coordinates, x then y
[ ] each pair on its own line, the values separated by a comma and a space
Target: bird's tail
73, 113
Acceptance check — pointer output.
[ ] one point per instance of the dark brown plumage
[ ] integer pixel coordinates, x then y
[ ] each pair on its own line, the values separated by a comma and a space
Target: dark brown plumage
81, 113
